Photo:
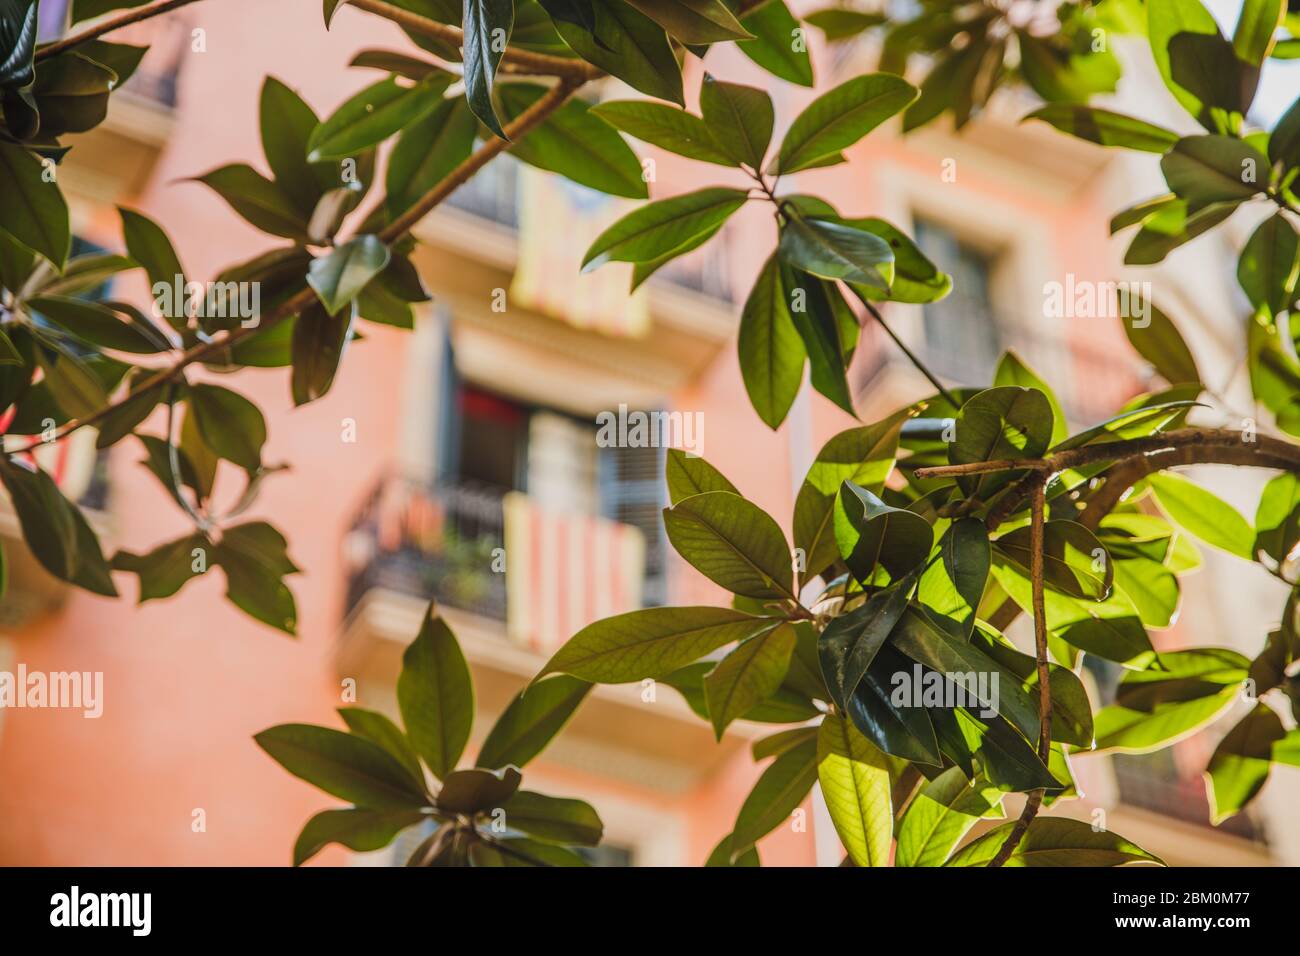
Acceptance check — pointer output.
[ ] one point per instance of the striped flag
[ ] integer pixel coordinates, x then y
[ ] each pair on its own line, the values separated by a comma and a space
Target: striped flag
565, 571
558, 222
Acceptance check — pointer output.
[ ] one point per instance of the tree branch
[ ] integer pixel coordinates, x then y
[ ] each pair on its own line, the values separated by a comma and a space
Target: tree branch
108, 26
911, 356
541, 64
1035, 800
520, 126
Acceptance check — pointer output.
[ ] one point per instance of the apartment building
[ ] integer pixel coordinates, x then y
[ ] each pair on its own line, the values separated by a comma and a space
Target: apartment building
462, 461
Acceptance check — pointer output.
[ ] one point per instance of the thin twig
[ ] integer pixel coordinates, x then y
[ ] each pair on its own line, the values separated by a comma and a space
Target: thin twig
108, 26
911, 356
1035, 800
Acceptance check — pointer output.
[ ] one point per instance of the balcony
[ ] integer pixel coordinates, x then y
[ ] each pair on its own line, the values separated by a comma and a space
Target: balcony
494, 195
409, 544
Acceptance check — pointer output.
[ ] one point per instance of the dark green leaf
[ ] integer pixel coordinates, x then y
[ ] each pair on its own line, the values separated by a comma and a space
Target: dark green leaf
34, 211
659, 227
553, 818
747, 675
839, 118
531, 721
733, 542
355, 828
689, 475
167, 568
771, 350
781, 788
436, 696
739, 119
1055, 841
1105, 127
342, 765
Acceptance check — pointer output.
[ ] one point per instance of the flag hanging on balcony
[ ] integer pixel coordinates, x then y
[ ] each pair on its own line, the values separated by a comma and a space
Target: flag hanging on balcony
558, 221
565, 571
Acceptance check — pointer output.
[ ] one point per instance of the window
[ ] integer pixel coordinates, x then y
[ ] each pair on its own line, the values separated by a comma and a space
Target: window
962, 338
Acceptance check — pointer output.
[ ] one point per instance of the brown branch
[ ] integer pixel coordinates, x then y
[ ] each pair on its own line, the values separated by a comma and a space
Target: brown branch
1035, 799
108, 26
520, 126
536, 63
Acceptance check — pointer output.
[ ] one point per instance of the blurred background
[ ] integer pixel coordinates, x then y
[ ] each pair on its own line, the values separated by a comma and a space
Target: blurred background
438, 444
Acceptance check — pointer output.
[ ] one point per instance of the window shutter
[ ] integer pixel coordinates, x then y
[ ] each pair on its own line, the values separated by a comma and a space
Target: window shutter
632, 490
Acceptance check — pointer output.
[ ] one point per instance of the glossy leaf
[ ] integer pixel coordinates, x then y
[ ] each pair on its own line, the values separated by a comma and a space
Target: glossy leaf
650, 643
659, 227
1055, 841
732, 542
839, 118
436, 696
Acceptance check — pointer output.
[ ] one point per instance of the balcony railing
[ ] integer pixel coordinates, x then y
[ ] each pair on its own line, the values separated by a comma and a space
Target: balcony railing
446, 543
494, 194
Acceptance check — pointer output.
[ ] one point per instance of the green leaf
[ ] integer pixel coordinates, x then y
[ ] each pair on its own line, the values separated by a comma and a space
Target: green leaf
749, 674
521, 851
1105, 127
34, 211
487, 25
780, 789
71, 94
553, 818
257, 199
1205, 170
738, 118
771, 350
339, 277
1269, 265
379, 729
96, 324
841, 23
342, 765
629, 45
850, 642
1193, 58
839, 118
916, 279
1006, 422
55, 530
427, 151
855, 782
1240, 765
1110, 629
373, 115
1128, 730
148, 245
659, 227
1201, 513
318, 343
355, 828
1071, 708
721, 855
829, 331
1074, 561
664, 126
732, 542
1159, 342
574, 144
779, 743
864, 456
531, 721
436, 696
833, 251
650, 643
941, 814
1253, 38
1012, 370
255, 560
689, 475
873, 535
905, 732
693, 21
287, 122
18, 32
477, 790
773, 47
950, 588
1277, 520
1284, 142
1055, 841
166, 569
962, 663
230, 424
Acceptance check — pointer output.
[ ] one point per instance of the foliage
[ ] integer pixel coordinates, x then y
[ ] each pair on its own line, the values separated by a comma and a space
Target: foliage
912, 553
